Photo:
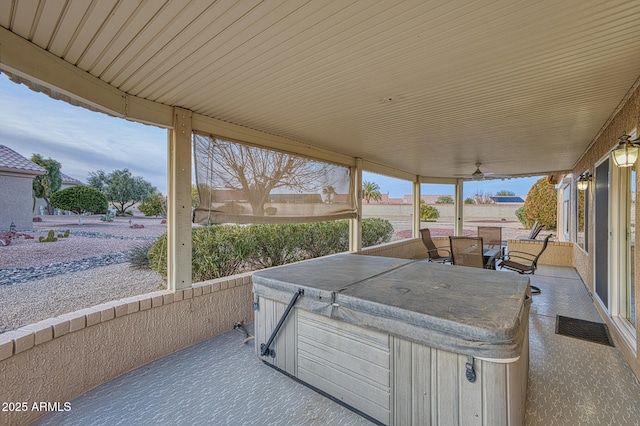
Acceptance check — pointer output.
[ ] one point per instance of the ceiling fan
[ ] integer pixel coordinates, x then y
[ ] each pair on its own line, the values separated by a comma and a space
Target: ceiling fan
480, 175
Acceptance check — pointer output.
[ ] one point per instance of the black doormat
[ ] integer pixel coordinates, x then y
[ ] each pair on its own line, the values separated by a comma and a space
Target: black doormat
586, 330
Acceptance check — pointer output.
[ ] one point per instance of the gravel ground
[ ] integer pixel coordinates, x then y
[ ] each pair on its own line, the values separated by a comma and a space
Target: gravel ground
32, 301
28, 302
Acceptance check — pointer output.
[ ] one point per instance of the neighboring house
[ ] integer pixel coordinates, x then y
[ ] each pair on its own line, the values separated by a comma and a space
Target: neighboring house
16, 189
67, 182
502, 199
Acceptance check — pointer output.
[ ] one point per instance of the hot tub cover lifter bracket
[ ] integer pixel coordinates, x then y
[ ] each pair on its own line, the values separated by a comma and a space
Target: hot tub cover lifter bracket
264, 348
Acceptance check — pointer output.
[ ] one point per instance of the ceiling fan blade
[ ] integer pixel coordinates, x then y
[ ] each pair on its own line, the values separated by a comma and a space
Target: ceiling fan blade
479, 175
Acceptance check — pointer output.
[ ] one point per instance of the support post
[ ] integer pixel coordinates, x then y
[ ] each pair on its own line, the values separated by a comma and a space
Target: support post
355, 225
459, 203
416, 208
179, 202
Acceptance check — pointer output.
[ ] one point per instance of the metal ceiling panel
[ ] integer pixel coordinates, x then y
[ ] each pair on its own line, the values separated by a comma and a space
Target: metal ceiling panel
429, 88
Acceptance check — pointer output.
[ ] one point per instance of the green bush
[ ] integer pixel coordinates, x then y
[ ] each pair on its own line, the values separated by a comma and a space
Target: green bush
217, 251
375, 231
80, 199
469, 200
521, 217
324, 238
276, 244
541, 204
153, 205
428, 212
222, 250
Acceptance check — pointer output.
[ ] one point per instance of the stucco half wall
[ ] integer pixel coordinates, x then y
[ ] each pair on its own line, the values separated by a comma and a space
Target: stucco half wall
61, 358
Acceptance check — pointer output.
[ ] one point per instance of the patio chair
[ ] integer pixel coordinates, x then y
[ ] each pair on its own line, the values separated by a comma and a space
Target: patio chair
524, 263
535, 230
491, 236
467, 251
434, 252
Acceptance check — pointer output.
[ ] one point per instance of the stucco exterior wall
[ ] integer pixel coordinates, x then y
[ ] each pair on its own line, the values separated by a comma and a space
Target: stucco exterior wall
625, 120
558, 253
58, 359
16, 201
499, 211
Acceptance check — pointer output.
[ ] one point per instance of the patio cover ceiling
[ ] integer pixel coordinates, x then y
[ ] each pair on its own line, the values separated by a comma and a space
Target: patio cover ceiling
424, 87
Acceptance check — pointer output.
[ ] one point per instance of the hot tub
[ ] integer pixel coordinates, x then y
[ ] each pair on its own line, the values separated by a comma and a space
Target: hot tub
401, 341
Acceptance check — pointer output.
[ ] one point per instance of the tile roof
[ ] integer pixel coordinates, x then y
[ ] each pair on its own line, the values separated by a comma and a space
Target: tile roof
12, 161
66, 179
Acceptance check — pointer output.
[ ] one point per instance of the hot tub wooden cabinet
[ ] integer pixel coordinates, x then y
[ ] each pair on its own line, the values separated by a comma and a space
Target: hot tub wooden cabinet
400, 340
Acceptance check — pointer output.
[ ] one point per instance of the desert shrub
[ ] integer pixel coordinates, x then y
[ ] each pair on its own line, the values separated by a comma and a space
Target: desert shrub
217, 251
376, 231
222, 250
80, 199
276, 244
428, 212
324, 238
469, 200
108, 217
138, 255
153, 205
541, 204
157, 255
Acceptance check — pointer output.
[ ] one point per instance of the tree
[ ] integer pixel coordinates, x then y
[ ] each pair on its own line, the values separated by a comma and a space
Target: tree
541, 204
45, 185
505, 193
80, 199
482, 198
469, 200
444, 199
329, 192
121, 188
371, 191
255, 171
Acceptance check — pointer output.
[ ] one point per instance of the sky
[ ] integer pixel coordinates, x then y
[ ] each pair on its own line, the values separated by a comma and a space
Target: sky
84, 141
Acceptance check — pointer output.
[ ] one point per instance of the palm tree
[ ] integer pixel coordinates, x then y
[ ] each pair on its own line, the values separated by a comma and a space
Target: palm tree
329, 192
371, 191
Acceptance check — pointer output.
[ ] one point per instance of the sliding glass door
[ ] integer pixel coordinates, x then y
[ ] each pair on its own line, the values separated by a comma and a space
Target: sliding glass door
626, 293
615, 266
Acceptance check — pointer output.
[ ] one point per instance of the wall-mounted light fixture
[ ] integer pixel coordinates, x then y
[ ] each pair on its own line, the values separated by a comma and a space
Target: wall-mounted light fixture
583, 181
627, 152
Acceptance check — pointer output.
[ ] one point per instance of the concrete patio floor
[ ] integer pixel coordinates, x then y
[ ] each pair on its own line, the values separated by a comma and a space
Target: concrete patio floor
222, 382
